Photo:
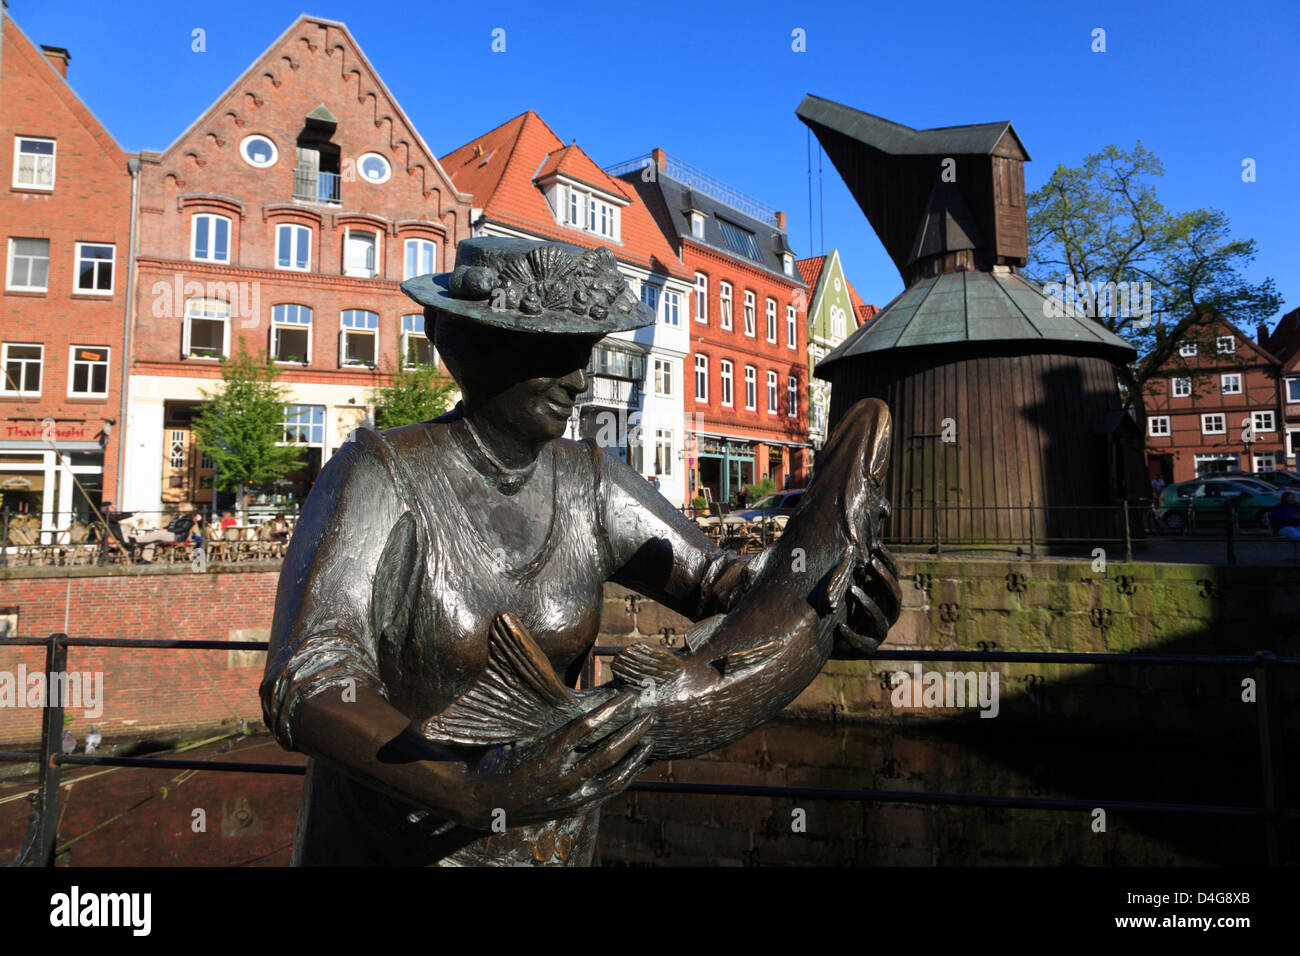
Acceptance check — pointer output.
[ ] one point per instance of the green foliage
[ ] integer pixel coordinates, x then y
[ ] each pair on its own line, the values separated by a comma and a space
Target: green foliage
1102, 222
699, 504
759, 489
416, 394
242, 423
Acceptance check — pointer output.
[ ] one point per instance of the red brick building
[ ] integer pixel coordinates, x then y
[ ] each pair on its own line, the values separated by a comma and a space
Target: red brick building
1284, 344
527, 183
285, 217
1215, 406
65, 220
747, 406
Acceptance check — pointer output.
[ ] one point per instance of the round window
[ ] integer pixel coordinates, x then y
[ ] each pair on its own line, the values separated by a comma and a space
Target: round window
374, 168
258, 151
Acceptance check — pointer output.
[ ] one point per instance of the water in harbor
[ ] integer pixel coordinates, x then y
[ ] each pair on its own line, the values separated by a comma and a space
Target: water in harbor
123, 817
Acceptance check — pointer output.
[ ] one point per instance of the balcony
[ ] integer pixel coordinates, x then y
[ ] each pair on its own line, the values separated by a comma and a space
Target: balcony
610, 392
314, 186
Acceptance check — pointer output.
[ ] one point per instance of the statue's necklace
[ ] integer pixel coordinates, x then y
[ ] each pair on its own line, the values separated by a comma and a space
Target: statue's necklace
508, 480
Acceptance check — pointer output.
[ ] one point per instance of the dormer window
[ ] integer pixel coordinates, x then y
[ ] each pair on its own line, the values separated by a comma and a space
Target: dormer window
585, 209
787, 263
697, 224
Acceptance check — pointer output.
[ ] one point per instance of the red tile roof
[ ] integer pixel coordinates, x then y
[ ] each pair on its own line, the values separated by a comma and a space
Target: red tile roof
501, 167
810, 270
862, 312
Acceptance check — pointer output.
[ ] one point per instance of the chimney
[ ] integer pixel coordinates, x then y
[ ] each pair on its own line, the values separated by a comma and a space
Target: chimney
660, 158
58, 58
1261, 334
780, 221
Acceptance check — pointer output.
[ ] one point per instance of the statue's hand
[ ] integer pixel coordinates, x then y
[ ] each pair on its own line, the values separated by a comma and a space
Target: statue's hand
574, 768
875, 599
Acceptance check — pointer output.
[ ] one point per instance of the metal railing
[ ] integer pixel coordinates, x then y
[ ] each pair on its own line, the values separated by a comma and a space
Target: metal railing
1032, 529
697, 178
40, 845
315, 186
67, 539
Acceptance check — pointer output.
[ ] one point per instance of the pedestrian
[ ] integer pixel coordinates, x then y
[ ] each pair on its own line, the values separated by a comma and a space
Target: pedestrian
1157, 486
177, 530
1286, 517
227, 520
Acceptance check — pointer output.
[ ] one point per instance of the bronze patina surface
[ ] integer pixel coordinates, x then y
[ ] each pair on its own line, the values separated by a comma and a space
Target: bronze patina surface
444, 585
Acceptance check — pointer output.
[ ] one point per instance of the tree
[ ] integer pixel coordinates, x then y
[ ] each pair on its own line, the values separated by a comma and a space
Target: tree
241, 426
1101, 226
416, 393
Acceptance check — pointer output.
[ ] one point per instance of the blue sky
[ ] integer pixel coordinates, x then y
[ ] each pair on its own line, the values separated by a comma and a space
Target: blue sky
1203, 85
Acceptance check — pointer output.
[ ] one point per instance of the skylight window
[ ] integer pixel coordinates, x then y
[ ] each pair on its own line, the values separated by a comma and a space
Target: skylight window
739, 241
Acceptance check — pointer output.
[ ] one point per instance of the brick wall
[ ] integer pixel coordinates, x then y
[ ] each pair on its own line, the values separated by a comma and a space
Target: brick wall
90, 203
145, 690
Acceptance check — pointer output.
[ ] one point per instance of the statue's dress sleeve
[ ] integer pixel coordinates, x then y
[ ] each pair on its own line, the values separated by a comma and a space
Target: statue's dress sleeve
325, 630
654, 548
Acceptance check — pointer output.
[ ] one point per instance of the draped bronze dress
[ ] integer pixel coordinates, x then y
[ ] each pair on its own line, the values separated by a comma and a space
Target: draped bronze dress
389, 583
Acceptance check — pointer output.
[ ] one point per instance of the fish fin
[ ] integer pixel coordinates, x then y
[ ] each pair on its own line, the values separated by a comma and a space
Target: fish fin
700, 633
750, 657
837, 583
643, 662
518, 695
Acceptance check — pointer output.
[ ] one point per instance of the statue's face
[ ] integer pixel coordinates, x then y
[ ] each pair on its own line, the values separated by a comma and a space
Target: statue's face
525, 384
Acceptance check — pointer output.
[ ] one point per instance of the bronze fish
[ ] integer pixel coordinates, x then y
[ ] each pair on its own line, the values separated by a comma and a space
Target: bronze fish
827, 581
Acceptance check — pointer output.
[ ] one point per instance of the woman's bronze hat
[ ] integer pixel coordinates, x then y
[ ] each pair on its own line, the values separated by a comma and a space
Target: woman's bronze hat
529, 285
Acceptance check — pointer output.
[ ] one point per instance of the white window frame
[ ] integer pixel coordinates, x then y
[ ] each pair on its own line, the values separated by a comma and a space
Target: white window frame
213, 218
791, 327
771, 320
701, 377
1231, 345
725, 307
727, 379
243, 146
298, 230
697, 225
663, 377
1230, 378
1187, 350
1208, 418
409, 330
664, 451
419, 243
787, 263
751, 388
1176, 383
277, 324
388, 168
1199, 460
1154, 432
672, 310
186, 332
792, 396
112, 269
701, 297
751, 314
1292, 398
345, 330
839, 321
773, 394
1265, 461
54, 161
377, 269
1267, 415
4, 369
12, 243
74, 361
1292, 445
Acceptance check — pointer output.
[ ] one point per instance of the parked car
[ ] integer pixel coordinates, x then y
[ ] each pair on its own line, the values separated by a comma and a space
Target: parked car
780, 503
1285, 480
1208, 500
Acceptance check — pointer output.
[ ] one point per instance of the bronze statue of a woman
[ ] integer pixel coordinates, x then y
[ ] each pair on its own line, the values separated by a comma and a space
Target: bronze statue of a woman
444, 584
